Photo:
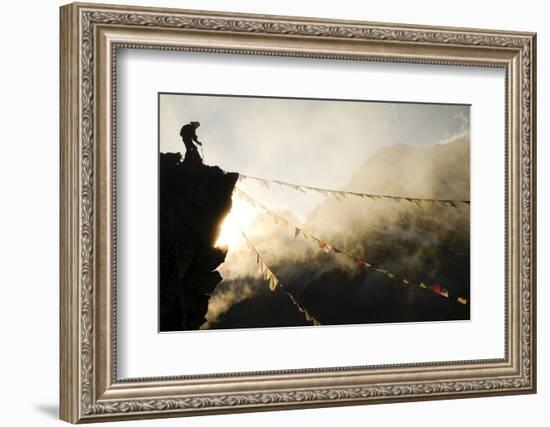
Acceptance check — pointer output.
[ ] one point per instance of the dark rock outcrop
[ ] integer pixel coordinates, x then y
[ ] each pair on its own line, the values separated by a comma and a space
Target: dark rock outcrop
194, 200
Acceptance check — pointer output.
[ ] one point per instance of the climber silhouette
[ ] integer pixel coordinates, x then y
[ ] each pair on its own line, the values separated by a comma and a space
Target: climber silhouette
188, 134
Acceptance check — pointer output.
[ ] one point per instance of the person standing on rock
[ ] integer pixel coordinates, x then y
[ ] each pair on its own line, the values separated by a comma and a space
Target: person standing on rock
188, 134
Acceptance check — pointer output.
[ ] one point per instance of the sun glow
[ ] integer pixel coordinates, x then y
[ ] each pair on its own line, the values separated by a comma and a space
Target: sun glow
239, 218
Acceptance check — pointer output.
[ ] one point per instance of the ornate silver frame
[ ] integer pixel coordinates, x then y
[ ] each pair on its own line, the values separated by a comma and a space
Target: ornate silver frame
90, 36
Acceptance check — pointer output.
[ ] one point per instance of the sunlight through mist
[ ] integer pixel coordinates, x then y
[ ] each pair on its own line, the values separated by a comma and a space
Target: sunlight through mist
239, 218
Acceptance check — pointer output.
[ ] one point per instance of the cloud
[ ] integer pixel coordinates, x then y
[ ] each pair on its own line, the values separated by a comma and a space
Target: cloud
227, 294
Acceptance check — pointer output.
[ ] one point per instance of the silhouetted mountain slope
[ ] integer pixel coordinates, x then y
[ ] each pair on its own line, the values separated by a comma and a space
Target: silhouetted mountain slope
194, 199
434, 171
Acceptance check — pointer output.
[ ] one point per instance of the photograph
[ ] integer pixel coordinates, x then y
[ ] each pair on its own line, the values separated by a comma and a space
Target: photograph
297, 212
289, 208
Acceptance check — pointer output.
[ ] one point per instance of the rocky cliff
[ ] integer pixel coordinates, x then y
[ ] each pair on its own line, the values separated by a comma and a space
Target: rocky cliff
194, 199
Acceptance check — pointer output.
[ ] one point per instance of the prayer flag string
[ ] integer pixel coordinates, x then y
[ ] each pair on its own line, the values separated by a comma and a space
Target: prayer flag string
275, 283
327, 248
339, 194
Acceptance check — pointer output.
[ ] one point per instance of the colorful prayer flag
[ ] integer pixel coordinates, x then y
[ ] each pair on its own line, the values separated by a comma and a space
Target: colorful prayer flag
324, 246
273, 283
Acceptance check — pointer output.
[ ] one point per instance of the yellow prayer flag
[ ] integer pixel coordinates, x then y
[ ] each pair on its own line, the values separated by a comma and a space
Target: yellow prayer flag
273, 283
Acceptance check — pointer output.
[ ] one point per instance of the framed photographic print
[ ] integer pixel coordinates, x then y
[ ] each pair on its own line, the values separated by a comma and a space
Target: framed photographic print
265, 212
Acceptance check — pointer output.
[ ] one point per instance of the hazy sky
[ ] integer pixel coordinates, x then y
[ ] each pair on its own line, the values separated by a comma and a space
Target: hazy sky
312, 142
